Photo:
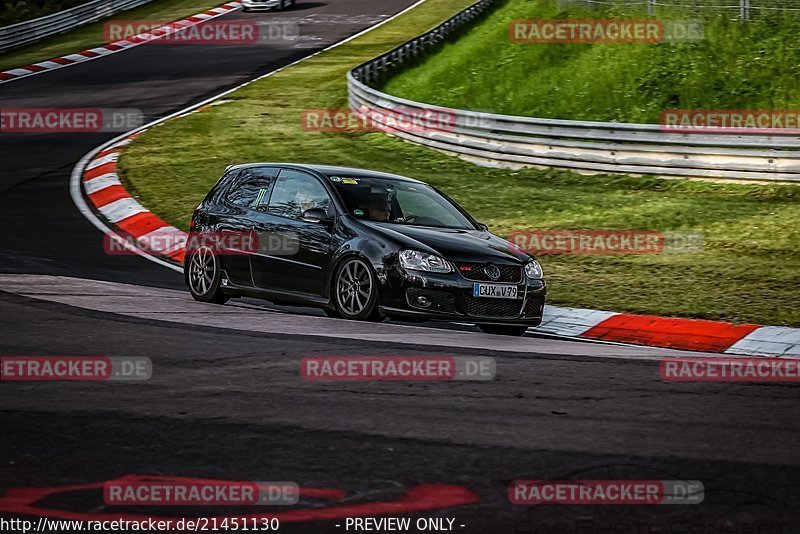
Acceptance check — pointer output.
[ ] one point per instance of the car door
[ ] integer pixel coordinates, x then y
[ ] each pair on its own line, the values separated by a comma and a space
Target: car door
241, 200
298, 251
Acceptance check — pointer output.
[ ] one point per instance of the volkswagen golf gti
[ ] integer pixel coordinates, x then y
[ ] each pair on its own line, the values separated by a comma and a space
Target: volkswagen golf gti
359, 244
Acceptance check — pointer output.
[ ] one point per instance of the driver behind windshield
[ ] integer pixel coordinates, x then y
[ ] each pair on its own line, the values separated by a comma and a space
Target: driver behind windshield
379, 209
386, 200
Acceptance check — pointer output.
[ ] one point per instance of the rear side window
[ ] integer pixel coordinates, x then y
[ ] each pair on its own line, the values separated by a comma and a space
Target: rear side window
251, 187
218, 192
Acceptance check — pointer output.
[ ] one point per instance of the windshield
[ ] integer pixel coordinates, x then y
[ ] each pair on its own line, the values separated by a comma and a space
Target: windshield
398, 202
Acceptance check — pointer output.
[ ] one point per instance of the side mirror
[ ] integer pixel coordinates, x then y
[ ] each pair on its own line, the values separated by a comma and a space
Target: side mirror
316, 215
483, 227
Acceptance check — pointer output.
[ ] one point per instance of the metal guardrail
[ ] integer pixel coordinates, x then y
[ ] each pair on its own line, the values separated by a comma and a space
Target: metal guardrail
591, 147
30, 31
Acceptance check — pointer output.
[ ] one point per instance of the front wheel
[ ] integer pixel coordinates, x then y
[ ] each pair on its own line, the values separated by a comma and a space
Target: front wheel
203, 273
503, 330
355, 291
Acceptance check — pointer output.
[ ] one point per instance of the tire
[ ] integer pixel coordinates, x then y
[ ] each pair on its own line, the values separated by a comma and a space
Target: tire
355, 291
503, 330
245, 9
203, 275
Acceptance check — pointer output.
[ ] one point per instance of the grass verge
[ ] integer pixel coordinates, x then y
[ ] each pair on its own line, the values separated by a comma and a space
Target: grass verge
749, 270
91, 35
737, 66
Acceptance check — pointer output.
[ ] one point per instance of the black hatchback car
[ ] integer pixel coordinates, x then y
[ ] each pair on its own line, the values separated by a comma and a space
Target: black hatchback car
359, 244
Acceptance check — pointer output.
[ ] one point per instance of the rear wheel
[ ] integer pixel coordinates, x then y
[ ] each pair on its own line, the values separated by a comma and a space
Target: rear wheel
355, 291
203, 273
503, 330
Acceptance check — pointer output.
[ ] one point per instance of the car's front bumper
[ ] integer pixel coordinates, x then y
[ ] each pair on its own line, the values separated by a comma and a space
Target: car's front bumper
451, 297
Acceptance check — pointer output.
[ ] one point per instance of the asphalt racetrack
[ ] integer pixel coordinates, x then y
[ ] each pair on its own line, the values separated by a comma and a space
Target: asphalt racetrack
226, 400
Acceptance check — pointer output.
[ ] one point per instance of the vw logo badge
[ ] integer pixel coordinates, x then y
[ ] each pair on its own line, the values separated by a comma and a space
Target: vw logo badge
492, 271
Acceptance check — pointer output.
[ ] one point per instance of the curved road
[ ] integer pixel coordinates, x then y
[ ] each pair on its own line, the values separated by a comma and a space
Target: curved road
48, 234
226, 400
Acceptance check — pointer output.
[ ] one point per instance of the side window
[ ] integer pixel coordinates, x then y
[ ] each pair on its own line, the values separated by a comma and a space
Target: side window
296, 192
251, 187
218, 192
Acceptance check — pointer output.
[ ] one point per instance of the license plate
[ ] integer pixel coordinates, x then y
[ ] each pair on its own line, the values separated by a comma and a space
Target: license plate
494, 291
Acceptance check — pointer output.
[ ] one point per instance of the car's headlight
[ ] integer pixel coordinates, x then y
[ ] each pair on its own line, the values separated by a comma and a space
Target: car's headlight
420, 261
534, 271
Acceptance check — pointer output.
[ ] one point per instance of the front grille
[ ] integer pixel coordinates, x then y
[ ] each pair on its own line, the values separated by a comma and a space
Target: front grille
534, 307
495, 308
441, 300
474, 271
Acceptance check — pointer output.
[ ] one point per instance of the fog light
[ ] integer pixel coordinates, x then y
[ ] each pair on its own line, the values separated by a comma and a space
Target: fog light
424, 301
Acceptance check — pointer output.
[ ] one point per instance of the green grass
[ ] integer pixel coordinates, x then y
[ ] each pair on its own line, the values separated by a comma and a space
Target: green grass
91, 35
749, 270
738, 66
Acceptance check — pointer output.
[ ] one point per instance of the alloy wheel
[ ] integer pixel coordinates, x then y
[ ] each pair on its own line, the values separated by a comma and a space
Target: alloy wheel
204, 276
354, 288
202, 270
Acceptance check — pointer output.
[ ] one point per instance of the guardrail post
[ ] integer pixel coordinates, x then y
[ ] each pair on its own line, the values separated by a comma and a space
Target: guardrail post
744, 10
